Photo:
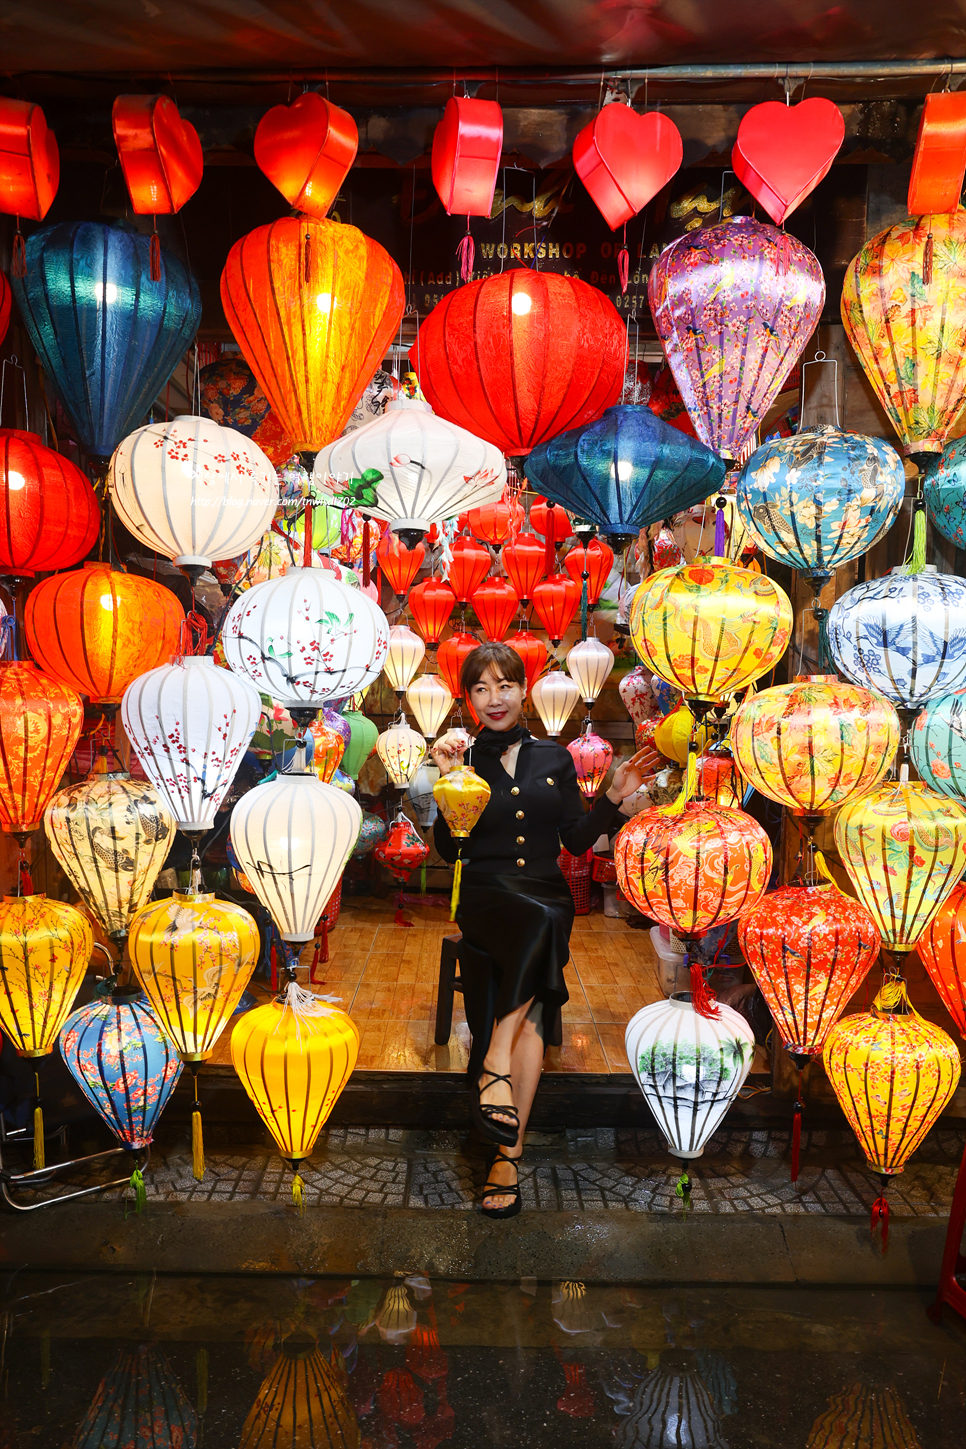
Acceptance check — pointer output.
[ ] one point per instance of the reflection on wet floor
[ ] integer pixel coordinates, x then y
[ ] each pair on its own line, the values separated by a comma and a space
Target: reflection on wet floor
118, 1362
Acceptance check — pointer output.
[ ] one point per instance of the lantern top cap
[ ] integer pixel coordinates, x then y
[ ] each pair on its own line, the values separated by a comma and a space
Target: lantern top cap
193, 898
409, 405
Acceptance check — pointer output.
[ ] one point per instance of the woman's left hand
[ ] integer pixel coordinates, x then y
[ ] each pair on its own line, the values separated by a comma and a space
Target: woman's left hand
629, 775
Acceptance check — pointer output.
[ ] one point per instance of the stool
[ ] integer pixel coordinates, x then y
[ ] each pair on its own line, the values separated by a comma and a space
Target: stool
449, 981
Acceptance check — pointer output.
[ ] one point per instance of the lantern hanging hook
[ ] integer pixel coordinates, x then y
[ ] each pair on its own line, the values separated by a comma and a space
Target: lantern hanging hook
819, 358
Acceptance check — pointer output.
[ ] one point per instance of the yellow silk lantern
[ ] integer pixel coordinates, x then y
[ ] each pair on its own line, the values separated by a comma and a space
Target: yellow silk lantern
893, 1074
904, 849
301, 1403
462, 796
709, 628
673, 735
815, 744
194, 956
293, 1057
110, 834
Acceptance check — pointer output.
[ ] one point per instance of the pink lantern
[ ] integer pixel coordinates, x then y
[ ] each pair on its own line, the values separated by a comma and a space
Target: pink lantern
734, 305
592, 758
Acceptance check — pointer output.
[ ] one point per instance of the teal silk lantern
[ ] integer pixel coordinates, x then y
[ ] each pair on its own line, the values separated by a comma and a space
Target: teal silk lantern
107, 336
945, 493
938, 745
818, 499
624, 471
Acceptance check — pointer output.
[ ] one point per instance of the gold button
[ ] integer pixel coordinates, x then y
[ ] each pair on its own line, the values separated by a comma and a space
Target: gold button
521, 862
515, 790
521, 840
549, 780
519, 814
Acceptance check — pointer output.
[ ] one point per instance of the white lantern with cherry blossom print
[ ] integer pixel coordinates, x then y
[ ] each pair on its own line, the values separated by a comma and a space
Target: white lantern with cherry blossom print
401, 751
193, 490
190, 723
592, 758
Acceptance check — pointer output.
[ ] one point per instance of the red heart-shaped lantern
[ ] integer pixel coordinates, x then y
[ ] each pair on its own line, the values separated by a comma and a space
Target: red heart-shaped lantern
467, 146
29, 160
939, 162
160, 153
783, 152
306, 150
624, 158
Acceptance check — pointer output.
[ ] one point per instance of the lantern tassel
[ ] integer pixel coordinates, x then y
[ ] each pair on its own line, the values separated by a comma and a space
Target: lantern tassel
321, 953
917, 559
703, 998
197, 1139
826, 664
399, 919
689, 786
584, 601
201, 1380
455, 897
624, 268
307, 544
719, 530
880, 1219
298, 1194
466, 251
927, 262
549, 543
155, 262
821, 865
18, 257
140, 1193
25, 879
682, 1189
365, 552
39, 1157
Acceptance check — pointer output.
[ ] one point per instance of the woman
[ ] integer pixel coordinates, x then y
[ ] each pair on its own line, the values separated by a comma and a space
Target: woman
516, 911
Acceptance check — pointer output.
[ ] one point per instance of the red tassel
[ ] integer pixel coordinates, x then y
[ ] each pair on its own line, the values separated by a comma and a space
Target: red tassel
155, 257
365, 553
550, 544
796, 1138
194, 635
927, 261
880, 1218
624, 267
307, 546
26, 880
18, 260
399, 918
782, 254
466, 251
321, 954
703, 998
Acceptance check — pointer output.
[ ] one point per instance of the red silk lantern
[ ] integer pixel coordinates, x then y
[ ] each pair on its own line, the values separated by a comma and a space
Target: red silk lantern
524, 561
451, 656
399, 563
556, 600
939, 160
29, 160
532, 651
493, 522
468, 568
49, 517
403, 850
521, 356
624, 158
942, 950
495, 602
159, 151
544, 514
431, 603
97, 629
307, 150
783, 152
596, 560
313, 306
40, 723
467, 146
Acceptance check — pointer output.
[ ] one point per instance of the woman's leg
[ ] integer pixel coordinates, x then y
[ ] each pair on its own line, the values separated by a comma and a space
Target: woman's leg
499, 1062
526, 1066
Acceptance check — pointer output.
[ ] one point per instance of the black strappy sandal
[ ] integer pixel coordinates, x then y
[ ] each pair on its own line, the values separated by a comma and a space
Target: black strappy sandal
495, 1189
484, 1115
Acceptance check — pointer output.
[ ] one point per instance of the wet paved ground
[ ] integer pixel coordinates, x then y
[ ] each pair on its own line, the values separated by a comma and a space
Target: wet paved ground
149, 1362
742, 1171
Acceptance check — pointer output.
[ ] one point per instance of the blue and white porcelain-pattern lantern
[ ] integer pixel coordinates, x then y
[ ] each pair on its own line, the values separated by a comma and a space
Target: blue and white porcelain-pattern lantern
123, 1063
903, 635
945, 492
937, 744
689, 1067
818, 499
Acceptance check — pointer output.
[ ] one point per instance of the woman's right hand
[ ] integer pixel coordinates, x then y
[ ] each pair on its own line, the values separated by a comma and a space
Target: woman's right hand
448, 750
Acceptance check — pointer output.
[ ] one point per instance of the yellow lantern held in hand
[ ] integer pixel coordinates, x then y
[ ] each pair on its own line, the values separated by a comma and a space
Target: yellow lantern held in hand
194, 955
462, 796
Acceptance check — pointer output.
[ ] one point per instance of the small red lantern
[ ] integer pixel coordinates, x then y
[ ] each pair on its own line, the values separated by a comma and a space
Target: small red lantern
783, 152
159, 151
307, 150
402, 851
556, 600
524, 561
451, 656
431, 603
625, 158
521, 356
29, 160
467, 146
493, 522
596, 560
942, 950
939, 160
399, 563
532, 651
495, 602
544, 515
49, 518
468, 568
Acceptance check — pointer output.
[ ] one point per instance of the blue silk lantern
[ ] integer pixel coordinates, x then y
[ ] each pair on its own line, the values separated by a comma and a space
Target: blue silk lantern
107, 336
231, 396
945, 492
937, 744
818, 499
903, 636
120, 1058
139, 1404
625, 471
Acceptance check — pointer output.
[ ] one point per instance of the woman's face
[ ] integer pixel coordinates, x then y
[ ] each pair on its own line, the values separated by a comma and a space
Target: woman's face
497, 701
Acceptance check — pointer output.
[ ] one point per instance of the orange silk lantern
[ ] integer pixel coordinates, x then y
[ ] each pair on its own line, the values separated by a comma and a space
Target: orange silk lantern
495, 602
451, 656
399, 563
942, 950
468, 568
493, 522
524, 561
313, 306
49, 518
532, 651
327, 750
431, 603
556, 601
40, 723
97, 629
596, 560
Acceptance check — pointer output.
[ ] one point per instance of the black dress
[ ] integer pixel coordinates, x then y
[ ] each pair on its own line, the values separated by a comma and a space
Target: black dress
516, 911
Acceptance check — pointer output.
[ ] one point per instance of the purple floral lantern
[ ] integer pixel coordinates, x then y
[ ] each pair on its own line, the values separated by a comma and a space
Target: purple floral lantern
734, 305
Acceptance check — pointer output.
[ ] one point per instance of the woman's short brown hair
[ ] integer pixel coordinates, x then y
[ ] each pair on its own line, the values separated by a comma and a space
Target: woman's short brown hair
505, 662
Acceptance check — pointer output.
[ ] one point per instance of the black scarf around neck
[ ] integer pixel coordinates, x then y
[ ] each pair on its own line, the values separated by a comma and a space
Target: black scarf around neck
496, 742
